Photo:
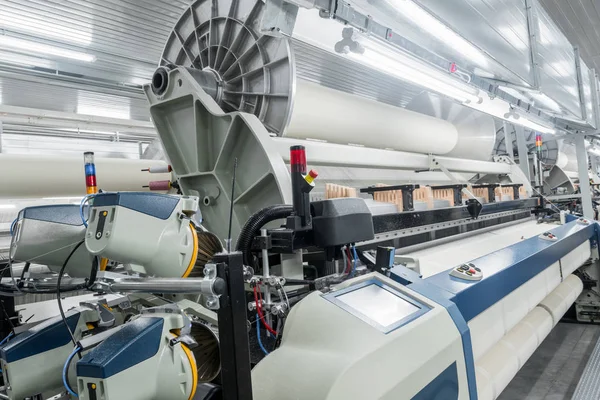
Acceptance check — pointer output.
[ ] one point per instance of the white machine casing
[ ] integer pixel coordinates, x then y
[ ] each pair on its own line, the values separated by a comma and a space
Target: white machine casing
156, 247
338, 356
170, 374
41, 373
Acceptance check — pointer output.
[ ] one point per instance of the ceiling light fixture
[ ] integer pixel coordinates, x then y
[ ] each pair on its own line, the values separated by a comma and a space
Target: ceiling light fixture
402, 66
518, 119
424, 20
26, 45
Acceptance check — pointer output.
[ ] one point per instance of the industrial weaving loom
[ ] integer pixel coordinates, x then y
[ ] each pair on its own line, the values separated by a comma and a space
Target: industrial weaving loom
375, 251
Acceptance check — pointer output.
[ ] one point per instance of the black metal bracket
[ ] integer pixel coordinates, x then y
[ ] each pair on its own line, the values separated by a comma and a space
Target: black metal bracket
491, 188
474, 208
457, 192
407, 193
515, 187
233, 329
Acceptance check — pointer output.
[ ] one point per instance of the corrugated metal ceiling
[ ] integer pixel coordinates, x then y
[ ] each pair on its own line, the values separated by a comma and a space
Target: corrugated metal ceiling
580, 22
124, 35
47, 95
126, 38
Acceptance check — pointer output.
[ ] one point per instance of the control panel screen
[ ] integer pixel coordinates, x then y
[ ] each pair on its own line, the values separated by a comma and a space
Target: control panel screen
378, 304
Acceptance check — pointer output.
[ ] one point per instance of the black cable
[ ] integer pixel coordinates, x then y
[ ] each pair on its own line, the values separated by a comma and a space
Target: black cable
7, 317
60, 307
253, 225
235, 165
298, 282
93, 273
25, 270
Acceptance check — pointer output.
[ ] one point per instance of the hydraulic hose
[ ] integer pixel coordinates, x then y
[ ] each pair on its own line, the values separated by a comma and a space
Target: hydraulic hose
255, 223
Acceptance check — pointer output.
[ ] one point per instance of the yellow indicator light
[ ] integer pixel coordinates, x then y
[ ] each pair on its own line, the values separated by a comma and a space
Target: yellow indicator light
312, 175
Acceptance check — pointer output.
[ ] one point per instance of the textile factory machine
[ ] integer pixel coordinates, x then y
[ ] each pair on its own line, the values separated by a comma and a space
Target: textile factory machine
432, 280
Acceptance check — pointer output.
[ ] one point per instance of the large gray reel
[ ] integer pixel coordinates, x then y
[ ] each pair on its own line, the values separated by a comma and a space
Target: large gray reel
253, 72
203, 142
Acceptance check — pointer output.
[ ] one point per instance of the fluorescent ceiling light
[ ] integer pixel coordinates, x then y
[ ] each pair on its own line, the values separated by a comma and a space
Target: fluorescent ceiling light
64, 32
8, 57
88, 104
594, 151
140, 81
436, 28
26, 45
7, 206
546, 102
120, 113
402, 66
527, 123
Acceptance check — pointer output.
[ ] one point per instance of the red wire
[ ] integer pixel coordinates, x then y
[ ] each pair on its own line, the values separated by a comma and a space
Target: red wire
349, 263
260, 314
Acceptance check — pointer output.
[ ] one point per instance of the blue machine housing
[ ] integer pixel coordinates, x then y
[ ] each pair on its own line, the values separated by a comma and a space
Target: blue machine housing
503, 271
67, 214
154, 204
48, 335
138, 341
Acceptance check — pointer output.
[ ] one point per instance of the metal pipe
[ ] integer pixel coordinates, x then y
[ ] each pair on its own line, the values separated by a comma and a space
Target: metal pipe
508, 140
523, 151
161, 285
584, 179
339, 155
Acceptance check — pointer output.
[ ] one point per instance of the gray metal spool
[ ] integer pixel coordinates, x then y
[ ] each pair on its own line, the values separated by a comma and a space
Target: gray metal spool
253, 73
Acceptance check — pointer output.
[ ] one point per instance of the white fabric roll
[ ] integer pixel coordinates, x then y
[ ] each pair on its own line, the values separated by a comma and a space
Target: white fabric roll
25, 176
491, 325
575, 258
487, 329
337, 117
498, 366
541, 321
558, 302
501, 364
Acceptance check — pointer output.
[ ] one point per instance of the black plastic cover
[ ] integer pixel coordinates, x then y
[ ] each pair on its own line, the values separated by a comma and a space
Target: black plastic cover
341, 221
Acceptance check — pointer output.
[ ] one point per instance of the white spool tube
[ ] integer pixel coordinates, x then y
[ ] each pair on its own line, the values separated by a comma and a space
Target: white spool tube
336, 117
26, 176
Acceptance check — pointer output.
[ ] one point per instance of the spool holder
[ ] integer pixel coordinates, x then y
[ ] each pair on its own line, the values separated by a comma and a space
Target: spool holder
456, 192
408, 203
491, 189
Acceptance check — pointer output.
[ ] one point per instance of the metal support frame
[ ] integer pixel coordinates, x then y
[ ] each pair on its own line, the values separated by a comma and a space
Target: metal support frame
593, 159
584, 181
345, 13
456, 192
508, 140
582, 99
233, 329
434, 164
532, 27
491, 189
523, 151
407, 194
